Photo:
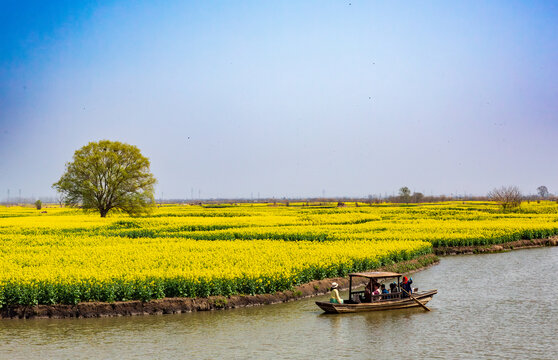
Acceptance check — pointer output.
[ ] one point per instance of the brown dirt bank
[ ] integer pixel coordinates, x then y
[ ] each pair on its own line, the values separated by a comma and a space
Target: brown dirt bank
180, 305
520, 244
314, 288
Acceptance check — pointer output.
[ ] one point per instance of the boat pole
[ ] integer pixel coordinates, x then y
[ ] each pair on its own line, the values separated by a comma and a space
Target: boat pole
414, 298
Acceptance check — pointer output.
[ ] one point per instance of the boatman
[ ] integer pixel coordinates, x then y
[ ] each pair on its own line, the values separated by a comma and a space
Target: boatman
335, 298
406, 285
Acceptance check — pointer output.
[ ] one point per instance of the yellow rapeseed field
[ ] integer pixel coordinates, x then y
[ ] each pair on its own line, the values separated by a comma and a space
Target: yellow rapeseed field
67, 256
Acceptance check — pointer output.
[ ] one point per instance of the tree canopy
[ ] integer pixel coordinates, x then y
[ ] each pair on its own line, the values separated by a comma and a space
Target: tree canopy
108, 175
405, 194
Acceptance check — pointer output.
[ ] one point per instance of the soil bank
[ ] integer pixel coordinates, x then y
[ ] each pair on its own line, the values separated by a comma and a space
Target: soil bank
313, 288
520, 244
180, 305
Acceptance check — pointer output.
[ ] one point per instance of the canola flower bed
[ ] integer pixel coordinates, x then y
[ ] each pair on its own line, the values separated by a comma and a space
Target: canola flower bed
65, 256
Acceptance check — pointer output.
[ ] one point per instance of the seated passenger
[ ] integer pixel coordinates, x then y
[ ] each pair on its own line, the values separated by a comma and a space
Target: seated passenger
335, 298
393, 287
368, 290
384, 291
376, 291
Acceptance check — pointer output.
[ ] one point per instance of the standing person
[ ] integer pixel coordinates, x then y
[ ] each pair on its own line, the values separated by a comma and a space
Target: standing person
335, 298
406, 285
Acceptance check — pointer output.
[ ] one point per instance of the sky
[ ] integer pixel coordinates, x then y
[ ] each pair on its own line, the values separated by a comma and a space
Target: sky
240, 99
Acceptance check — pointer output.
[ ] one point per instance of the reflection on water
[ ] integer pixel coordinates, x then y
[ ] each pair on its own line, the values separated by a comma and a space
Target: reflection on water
495, 306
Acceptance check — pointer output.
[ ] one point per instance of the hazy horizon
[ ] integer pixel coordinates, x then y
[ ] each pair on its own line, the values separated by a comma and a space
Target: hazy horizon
289, 99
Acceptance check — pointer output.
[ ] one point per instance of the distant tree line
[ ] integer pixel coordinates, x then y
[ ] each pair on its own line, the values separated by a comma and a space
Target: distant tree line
404, 196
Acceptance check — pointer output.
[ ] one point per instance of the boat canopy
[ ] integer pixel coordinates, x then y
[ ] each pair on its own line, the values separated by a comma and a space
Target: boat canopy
376, 274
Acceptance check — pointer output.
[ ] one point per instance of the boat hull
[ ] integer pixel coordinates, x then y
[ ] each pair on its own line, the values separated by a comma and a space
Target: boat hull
423, 297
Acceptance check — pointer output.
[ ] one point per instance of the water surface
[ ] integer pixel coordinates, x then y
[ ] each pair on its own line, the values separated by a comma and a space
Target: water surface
493, 306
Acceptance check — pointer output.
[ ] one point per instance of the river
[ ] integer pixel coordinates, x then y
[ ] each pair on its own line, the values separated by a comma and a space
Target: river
493, 306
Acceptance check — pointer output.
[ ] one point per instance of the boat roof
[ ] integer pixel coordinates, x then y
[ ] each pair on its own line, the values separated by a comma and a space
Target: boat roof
376, 274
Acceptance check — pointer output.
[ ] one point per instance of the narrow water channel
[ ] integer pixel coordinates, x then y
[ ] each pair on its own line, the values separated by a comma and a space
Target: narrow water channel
493, 306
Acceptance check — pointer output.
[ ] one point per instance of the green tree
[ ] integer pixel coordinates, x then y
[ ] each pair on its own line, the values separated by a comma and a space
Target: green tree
38, 204
108, 175
405, 194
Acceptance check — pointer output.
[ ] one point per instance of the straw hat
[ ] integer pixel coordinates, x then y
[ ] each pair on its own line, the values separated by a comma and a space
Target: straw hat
334, 285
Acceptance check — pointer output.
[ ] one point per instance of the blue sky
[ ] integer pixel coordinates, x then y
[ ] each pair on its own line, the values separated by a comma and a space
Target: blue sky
229, 99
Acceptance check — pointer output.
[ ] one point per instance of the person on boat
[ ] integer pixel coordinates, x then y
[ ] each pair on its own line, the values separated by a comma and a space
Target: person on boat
393, 290
369, 290
406, 285
335, 298
376, 291
384, 290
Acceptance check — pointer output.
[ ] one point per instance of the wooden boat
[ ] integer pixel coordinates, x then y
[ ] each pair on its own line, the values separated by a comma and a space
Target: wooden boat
397, 300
